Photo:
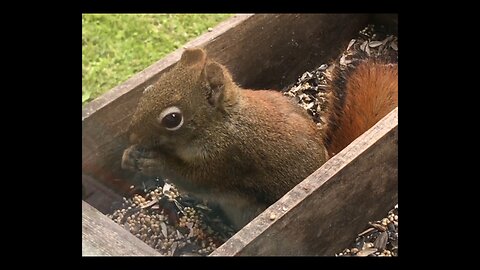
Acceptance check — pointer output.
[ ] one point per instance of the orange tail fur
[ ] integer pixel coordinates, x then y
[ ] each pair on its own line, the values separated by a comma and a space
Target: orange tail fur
360, 96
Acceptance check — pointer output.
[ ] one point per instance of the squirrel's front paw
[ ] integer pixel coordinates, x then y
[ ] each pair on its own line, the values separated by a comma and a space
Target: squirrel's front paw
130, 158
136, 158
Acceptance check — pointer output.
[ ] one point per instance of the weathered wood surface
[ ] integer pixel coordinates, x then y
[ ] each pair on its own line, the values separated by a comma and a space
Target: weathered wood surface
262, 51
322, 214
103, 237
99, 195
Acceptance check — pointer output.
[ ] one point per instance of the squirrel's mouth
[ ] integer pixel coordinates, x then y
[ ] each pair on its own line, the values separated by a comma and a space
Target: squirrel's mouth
147, 152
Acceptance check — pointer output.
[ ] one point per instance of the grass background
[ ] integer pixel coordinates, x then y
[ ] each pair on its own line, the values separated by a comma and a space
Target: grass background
114, 47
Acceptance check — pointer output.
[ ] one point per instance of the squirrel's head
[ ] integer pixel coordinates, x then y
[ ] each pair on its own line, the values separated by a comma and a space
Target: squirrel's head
195, 95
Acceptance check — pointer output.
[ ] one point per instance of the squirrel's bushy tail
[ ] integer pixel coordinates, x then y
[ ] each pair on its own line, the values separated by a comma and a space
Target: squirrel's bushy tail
361, 93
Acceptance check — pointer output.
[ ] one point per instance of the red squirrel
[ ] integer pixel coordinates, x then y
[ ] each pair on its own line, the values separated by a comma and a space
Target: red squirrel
237, 148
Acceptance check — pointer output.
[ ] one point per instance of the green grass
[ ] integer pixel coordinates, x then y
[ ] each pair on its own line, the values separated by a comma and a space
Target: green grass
114, 47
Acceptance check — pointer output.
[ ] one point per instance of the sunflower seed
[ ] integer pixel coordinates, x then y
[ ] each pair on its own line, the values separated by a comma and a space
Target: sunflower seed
374, 44
203, 207
381, 241
323, 67
388, 39
364, 45
351, 44
173, 248
366, 252
394, 46
366, 231
378, 226
164, 229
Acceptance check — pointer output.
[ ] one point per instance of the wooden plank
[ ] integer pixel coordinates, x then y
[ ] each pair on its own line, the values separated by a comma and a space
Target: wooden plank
322, 214
103, 237
270, 51
99, 195
262, 51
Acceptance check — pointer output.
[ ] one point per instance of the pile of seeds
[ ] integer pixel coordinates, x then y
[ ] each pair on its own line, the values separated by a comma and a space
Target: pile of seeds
172, 223
372, 42
310, 90
380, 239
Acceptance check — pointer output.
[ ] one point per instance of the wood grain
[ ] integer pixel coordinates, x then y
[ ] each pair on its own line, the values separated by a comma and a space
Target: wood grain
99, 195
322, 214
103, 237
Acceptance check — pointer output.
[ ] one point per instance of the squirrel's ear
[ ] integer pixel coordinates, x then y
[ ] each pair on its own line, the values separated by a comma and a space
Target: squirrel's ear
194, 56
215, 78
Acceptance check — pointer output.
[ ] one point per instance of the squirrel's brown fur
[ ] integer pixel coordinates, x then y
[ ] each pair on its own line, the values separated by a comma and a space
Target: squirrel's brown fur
238, 148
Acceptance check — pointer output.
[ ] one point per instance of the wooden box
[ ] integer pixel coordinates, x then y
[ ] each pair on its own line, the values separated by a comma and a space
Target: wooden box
322, 214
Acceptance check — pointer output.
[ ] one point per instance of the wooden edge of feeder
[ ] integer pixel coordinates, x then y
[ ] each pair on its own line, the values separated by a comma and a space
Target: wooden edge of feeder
101, 236
102, 198
323, 213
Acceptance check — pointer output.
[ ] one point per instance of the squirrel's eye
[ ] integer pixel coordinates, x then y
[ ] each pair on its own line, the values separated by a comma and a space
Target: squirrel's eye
171, 121
171, 118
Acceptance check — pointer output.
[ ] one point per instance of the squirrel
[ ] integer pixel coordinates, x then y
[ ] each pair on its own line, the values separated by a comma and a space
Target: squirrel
240, 149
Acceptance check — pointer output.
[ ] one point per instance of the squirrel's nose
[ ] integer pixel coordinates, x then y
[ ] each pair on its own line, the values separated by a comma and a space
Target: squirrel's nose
133, 138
